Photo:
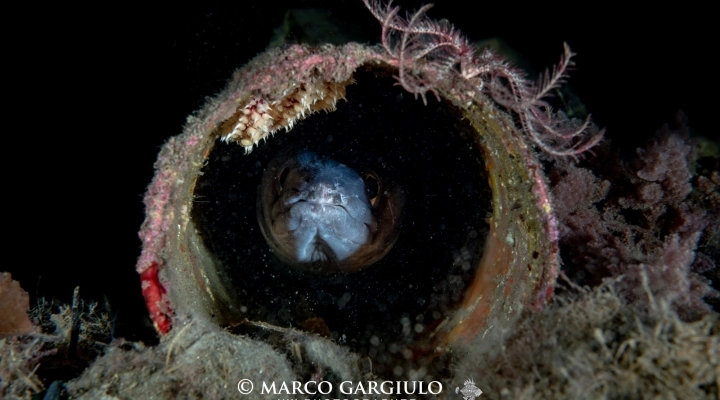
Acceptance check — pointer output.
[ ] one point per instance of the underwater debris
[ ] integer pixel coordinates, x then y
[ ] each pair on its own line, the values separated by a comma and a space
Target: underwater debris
207, 259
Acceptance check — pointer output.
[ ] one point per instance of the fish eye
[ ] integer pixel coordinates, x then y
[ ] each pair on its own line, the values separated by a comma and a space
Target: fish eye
372, 187
282, 177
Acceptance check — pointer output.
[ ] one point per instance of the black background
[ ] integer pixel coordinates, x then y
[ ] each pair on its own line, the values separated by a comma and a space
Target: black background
94, 92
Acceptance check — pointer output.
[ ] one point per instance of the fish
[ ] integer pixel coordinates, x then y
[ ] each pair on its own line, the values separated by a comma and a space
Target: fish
320, 215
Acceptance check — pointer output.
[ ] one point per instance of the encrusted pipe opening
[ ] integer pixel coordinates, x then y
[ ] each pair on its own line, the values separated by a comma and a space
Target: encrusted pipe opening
390, 310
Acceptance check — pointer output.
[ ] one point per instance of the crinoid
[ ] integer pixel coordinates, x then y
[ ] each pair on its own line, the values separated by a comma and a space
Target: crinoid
429, 54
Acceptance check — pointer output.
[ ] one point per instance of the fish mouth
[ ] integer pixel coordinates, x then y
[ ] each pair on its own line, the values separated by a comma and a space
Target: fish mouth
317, 228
